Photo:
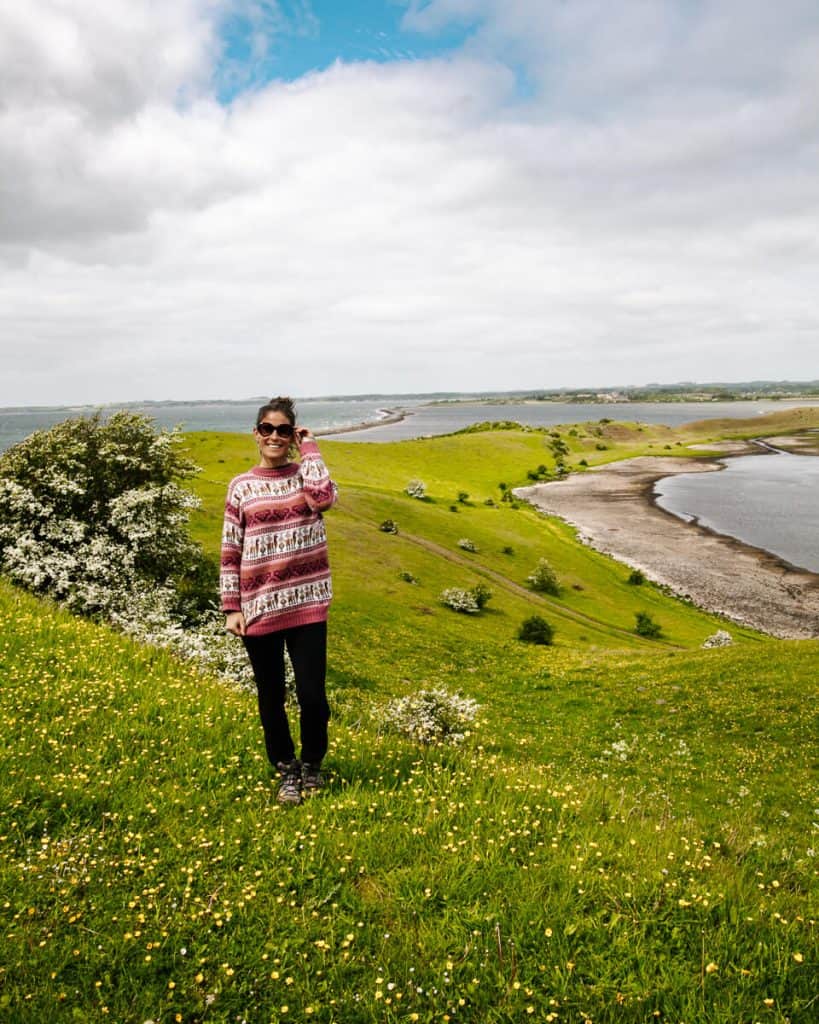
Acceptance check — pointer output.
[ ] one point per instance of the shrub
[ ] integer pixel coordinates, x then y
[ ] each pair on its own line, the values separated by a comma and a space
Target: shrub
646, 626
430, 716
92, 514
416, 489
407, 577
536, 630
482, 595
722, 638
601, 447
463, 497
507, 549
636, 578
460, 600
389, 526
543, 579
467, 545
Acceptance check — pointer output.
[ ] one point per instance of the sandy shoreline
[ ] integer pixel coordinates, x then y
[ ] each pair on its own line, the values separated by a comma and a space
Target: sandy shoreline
614, 511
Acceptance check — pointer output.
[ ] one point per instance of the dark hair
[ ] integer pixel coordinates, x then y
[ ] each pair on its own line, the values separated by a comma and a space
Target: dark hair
280, 404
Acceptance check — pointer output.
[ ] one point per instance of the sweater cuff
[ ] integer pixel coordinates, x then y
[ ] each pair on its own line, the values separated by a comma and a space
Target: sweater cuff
309, 448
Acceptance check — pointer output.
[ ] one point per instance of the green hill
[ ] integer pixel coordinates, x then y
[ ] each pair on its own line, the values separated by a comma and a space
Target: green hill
629, 834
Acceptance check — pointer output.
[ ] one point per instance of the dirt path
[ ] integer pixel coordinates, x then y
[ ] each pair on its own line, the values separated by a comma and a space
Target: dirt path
613, 510
553, 605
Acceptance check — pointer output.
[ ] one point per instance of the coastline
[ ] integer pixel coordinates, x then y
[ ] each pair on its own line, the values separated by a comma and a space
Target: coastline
393, 416
614, 510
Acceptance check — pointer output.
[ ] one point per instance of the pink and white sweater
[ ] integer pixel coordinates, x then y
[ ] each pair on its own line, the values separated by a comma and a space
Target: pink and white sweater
274, 546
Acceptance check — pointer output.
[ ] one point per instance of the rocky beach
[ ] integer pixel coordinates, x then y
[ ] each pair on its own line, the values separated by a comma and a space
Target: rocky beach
613, 510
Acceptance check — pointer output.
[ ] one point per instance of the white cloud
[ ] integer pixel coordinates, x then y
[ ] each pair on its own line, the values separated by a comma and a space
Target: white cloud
648, 210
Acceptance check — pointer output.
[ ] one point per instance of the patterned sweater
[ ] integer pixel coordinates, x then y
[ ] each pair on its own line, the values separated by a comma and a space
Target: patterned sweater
274, 546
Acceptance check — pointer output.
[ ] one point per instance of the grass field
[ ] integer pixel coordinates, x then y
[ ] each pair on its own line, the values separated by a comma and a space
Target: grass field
629, 834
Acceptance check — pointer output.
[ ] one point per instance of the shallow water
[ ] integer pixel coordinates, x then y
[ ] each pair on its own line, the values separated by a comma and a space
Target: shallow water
769, 501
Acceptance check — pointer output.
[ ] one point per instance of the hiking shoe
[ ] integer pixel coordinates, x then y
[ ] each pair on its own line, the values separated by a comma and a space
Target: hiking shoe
312, 779
290, 782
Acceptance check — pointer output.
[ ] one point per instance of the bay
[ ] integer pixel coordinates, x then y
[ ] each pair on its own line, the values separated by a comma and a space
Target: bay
443, 418
334, 417
769, 501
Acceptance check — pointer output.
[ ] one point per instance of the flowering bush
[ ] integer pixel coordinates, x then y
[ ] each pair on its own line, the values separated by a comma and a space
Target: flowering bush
151, 619
460, 600
722, 638
92, 514
416, 489
430, 716
407, 576
389, 526
543, 579
467, 544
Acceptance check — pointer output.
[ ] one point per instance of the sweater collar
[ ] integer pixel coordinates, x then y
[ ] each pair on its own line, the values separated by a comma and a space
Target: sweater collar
286, 470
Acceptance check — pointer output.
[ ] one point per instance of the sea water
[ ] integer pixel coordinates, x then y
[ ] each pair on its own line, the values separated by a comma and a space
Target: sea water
770, 501
446, 417
422, 419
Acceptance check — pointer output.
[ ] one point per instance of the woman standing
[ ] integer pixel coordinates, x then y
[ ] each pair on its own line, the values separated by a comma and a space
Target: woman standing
276, 589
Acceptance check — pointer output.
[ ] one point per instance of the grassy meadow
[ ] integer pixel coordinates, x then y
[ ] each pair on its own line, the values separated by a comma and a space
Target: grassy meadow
629, 834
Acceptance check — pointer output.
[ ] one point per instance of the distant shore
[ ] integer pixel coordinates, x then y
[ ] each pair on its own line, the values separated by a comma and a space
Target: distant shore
614, 510
391, 416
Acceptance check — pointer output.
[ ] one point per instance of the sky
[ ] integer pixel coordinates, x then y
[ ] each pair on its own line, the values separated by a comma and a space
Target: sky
221, 198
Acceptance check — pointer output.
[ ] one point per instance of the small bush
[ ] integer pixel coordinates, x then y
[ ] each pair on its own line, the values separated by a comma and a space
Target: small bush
463, 497
636, 578
646, 626
467, 545
460, 601
389, 526
543, 579
601, 447
430, 716
416, 489
482, 595
507, 549
407, 577
536, 630
722, 638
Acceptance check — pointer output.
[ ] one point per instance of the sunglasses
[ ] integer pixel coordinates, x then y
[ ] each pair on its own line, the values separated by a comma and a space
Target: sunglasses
282, 429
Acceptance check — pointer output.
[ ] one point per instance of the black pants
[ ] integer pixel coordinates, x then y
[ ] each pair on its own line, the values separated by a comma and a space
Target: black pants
307, 647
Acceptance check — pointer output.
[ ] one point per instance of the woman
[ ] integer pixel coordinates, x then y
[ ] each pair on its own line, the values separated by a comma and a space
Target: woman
276, 589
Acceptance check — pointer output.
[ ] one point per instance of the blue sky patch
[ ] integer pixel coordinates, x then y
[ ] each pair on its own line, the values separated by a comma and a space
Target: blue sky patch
269, 41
